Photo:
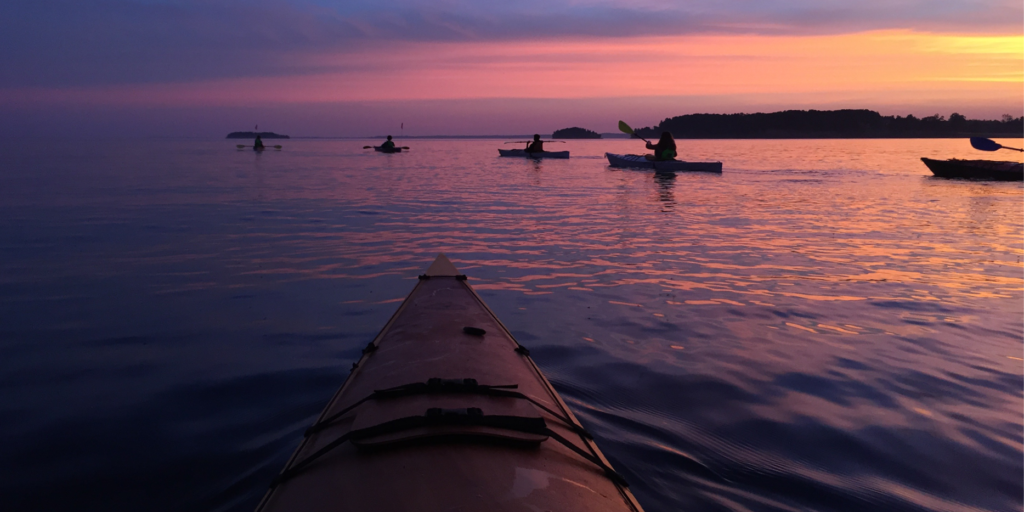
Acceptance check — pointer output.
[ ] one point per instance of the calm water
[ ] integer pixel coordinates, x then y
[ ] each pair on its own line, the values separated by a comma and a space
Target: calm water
823, 326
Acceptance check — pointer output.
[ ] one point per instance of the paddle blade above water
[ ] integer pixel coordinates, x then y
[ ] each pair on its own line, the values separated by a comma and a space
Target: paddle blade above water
984, 144
624, 128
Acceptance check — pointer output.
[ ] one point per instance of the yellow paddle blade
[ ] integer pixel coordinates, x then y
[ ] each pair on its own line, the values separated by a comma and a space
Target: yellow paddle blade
624, 128
239, 146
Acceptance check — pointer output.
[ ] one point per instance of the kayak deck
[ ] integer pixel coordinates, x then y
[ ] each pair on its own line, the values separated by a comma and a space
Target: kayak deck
543, 154
446, 411
641, 162
382, 150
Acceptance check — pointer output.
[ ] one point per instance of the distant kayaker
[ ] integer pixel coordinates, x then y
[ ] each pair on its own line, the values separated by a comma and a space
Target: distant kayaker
389, 145
258, 144
537, 146
665, 149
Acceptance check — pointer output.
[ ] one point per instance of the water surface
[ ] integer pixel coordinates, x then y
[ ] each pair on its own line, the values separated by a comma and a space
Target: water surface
822, 326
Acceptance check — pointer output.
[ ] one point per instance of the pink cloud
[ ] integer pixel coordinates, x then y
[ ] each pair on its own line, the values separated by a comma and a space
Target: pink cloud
889, 62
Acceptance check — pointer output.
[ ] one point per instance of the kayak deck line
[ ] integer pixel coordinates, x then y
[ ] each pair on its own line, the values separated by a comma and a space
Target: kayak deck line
437, 385
533, 425
436, 439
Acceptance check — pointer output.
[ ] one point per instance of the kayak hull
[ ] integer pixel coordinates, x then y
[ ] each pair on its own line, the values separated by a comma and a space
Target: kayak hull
639, 162
976, 169
444, 331
392, 150
543, 154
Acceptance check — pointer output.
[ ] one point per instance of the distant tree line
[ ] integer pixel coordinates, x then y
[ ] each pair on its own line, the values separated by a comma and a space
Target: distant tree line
826, 124
575, 133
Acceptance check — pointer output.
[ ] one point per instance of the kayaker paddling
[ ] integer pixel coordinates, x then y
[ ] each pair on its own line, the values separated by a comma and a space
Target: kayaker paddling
664, 150
387, 147
663, 159
534, 148
258, 143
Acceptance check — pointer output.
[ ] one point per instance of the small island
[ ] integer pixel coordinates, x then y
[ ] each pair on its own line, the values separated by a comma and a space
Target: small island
575, 133
252, 135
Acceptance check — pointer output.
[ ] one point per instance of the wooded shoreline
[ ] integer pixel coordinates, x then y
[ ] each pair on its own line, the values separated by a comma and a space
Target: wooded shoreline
831, 124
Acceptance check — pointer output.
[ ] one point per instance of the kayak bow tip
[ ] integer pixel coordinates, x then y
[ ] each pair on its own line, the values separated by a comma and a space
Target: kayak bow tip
442, 266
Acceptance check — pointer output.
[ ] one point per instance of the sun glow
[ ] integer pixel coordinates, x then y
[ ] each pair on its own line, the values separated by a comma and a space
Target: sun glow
896, 64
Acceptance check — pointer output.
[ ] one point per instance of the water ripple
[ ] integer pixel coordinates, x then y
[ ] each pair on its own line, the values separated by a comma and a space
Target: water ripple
823, 326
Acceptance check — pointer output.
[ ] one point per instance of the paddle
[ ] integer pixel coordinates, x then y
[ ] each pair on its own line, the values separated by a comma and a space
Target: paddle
989, 145
240, 146
396, 147
624, 128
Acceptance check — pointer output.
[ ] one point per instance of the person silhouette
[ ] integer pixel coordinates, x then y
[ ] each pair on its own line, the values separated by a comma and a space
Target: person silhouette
258, 144
665, 149
537, 146
388, 145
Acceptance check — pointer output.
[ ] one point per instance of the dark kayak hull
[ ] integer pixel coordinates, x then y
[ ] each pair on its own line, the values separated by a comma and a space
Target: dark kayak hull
976, 169
382, 150
543, 154
640, 162
428, 439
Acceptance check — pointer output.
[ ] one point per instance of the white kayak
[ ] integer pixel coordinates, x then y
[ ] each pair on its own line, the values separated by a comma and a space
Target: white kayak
543, 154
640, 162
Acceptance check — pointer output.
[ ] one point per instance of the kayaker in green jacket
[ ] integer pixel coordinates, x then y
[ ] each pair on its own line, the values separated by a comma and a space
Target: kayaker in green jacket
258, 144
537, 146
389, 145
665, 149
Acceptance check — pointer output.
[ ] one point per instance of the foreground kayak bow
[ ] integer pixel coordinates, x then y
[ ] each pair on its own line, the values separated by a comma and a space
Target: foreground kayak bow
446, 411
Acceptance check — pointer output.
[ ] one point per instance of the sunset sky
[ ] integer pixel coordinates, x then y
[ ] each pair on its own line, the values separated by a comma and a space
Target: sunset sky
330, 68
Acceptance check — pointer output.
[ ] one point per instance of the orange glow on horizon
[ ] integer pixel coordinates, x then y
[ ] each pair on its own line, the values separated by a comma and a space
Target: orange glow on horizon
890, 64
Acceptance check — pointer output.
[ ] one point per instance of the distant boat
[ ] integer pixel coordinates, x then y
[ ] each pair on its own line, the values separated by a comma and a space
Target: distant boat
536, 154
640, 162
976, 169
